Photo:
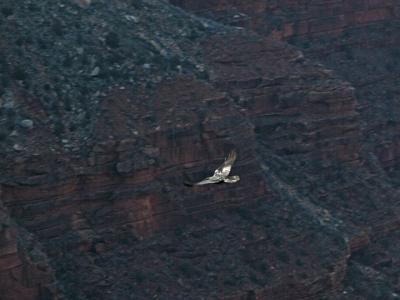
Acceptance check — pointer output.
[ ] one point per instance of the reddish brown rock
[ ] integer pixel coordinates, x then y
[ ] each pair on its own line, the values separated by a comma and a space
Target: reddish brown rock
24, 269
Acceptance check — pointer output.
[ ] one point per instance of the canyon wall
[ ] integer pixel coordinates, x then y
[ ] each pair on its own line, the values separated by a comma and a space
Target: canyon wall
357, 40
94, 183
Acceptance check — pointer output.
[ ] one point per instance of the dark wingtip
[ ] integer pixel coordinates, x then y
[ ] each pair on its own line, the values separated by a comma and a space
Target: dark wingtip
188, 183
232, 152
186, 180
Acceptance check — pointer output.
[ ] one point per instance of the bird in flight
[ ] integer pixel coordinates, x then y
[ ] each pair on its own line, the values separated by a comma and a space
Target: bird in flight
221, 174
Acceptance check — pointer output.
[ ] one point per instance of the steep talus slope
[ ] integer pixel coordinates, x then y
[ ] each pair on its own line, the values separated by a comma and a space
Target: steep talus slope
104, 114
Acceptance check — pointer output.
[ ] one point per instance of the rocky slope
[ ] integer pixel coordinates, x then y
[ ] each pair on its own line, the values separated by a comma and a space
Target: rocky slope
103, 114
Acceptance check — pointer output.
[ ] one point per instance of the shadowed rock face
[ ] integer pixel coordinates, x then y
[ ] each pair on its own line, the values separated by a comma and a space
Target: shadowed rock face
93, 194
25, 270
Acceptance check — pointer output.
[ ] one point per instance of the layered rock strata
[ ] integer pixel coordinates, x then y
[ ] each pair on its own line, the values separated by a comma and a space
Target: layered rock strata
25, 272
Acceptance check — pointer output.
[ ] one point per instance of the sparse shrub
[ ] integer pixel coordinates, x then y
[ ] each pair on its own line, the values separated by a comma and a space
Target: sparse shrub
391, 123
3, 64
19, 42
7, 11
5, 81
193, 35
254, 278
3, 135
383, 291
395, 52
299, 262
247, 256
54, 107
28, 40
276, 22
306, 45
58, 128
278, 241
302, 252
187, 269
67, 104
136, 3
41, 43
283, 256
364, 256
178, 231
124, 237
385, 242
32, 7
115, 58
291, 179
67, 62
112, 40
79, 39
292, 40
348, 53
244, 213
10, 113
140, 276
263, 267
303, 275
19, 73
346, 34
390, 67
10, 124
171, 63
229, 281
57, 28
47, 87
203, 75
85, 59
72, 127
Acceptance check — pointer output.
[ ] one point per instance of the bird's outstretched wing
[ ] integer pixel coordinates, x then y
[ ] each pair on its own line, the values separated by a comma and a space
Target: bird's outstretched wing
207, 180
224, 169
219, 174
